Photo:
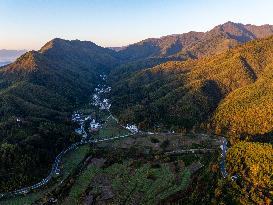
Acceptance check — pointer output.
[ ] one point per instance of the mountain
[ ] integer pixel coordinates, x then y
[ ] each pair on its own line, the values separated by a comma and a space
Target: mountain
5, 63
197, 44
8, 56
191, 45
39, 91
218, 80
160, 47
117, 48
236, 83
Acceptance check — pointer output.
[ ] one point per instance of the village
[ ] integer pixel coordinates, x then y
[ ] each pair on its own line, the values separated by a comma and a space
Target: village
94, 128
88, 124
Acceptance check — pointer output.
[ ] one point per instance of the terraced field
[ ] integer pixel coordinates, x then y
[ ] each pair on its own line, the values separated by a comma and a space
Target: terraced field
135, 170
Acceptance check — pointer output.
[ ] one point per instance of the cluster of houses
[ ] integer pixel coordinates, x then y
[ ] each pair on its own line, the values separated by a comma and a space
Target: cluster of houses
80, 119
132, 128
103, 89
103, 77
97, 100
94, 126
102, 104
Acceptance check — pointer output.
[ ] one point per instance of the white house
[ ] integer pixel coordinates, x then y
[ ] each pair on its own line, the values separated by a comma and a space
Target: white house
132, 128
94, 126
79, 131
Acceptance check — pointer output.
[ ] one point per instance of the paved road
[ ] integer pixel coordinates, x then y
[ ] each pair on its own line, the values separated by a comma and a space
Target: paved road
188, 151
55, 167
56, 170
223, 157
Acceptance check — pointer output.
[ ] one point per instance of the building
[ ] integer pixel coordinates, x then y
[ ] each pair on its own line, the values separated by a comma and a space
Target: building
94, 126
79, 131
132, 128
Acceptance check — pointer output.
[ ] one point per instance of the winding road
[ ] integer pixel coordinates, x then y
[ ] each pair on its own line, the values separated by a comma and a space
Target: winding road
55, 170
55, 167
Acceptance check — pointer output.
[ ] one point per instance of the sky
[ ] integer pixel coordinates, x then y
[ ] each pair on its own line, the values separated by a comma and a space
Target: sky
29, 24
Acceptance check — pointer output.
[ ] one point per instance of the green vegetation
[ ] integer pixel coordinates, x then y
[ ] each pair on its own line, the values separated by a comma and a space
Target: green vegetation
73, 159
154, 184
69, 164
154, 178
253, 163
177, 95
81, 185
111, 128
38, 94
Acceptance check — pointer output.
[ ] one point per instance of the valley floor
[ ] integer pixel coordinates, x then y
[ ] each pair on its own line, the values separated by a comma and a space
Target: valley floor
123, 166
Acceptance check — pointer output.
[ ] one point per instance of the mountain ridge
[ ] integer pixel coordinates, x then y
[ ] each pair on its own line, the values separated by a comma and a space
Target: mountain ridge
187, 42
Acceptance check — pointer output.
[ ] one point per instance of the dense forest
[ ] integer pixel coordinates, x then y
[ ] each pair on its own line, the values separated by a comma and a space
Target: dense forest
253, 162
179, 94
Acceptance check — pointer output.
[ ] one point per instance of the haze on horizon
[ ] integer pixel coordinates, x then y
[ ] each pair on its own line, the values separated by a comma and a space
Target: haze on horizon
30, 24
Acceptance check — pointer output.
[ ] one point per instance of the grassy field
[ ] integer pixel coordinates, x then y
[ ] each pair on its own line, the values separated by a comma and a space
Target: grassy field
163, 142
110, 129
69, 163
72, 159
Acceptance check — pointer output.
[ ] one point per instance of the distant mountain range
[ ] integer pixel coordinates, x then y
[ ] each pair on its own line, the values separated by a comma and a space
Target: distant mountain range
5, 63
117, 48
196, 44
191, 45
8, 56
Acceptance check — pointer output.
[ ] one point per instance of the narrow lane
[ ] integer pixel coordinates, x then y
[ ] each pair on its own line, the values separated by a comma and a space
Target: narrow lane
223, 157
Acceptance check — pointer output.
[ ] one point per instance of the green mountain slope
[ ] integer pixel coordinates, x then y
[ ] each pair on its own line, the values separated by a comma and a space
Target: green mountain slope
253, 163
248, 110
192, 45
38, 93
183, 94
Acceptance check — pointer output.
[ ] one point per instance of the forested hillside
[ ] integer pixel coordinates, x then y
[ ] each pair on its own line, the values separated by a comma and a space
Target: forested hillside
180, 47
184, 94
248, 110
38, 94
253, 162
